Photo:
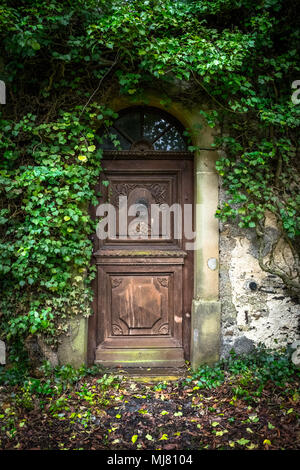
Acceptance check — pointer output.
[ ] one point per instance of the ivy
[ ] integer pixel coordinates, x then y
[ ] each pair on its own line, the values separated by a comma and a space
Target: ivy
45, 251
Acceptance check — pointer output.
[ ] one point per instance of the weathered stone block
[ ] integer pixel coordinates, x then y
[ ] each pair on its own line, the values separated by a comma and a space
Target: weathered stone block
205, 341
73, 348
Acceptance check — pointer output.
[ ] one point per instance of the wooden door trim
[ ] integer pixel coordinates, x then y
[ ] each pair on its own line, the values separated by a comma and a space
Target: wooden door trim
146, 155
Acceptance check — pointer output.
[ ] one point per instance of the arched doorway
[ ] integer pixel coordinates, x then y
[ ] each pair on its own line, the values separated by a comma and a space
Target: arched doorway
143, 255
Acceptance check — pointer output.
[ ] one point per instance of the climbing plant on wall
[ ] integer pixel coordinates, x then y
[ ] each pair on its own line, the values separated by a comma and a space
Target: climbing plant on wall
61, 60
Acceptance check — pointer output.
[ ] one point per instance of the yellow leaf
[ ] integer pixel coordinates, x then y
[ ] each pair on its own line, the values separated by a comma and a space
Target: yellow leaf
267, 442
82, 158
251, 446
66, 218
134, 438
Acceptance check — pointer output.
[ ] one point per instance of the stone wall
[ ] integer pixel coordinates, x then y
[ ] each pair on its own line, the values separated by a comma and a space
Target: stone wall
255, 305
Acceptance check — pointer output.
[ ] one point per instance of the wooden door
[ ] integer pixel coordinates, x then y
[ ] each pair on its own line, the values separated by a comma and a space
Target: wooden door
144, 285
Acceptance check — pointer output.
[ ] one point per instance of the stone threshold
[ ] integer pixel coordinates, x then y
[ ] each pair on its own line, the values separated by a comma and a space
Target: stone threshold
148, 375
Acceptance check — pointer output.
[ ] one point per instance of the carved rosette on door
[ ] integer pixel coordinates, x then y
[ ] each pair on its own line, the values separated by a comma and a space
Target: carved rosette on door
144, 283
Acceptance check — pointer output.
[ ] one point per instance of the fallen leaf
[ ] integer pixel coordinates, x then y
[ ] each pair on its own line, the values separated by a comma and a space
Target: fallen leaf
242, 441
267, 442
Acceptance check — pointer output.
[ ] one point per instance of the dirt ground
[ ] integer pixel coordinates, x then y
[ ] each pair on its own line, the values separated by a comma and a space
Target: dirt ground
130, 414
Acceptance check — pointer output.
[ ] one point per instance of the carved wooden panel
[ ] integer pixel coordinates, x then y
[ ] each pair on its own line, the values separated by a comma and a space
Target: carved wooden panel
159, 191
142, 189
139, 305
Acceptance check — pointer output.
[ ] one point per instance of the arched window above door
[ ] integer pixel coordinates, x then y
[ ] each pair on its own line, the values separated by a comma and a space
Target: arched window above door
143, 129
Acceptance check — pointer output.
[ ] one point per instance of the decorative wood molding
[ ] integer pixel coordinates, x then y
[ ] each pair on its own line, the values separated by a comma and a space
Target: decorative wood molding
164, 329
104, 253
163, 281
116, 283
159, 191
146, 155
117, 330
